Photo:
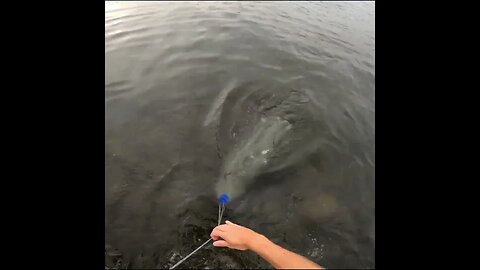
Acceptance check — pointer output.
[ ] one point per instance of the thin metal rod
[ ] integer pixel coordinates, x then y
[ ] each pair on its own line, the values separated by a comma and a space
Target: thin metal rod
182, 260
221, 214
221, 209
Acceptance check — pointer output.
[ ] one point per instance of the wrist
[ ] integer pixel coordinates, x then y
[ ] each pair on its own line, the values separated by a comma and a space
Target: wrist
255, 241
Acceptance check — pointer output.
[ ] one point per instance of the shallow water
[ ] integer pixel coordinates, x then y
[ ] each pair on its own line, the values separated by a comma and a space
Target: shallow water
186, 88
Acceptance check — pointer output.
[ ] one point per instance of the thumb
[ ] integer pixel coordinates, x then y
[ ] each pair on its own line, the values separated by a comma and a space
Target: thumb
220, 243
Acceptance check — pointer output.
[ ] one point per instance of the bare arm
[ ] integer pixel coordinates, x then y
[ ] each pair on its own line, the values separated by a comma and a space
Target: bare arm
280, 257
241, 238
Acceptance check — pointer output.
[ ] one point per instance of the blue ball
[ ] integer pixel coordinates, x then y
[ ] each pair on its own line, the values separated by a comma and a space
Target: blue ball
223, 198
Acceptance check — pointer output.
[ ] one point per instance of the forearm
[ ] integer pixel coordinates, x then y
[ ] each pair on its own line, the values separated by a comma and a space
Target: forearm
279, 257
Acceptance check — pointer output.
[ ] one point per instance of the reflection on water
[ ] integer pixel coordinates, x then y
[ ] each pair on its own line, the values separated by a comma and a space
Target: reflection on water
193, 90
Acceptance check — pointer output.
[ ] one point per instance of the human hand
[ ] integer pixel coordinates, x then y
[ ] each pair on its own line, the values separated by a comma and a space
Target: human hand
233, 236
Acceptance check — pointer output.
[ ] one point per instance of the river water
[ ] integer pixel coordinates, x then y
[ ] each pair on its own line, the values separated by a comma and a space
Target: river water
186, 83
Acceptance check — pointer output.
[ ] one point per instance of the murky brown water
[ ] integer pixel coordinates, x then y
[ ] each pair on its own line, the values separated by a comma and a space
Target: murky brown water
186, 84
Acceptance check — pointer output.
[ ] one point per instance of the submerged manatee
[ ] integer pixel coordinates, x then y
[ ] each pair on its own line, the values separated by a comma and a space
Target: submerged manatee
260, 130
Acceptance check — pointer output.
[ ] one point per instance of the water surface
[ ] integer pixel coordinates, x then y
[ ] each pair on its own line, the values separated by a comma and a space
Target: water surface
170, 69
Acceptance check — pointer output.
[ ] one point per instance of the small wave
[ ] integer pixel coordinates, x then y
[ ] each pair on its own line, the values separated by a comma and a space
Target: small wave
116, 89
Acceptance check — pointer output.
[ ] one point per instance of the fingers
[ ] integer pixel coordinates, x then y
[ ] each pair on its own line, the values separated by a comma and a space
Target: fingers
220, 243
230, 223
216, 233
222, 227
221, 231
